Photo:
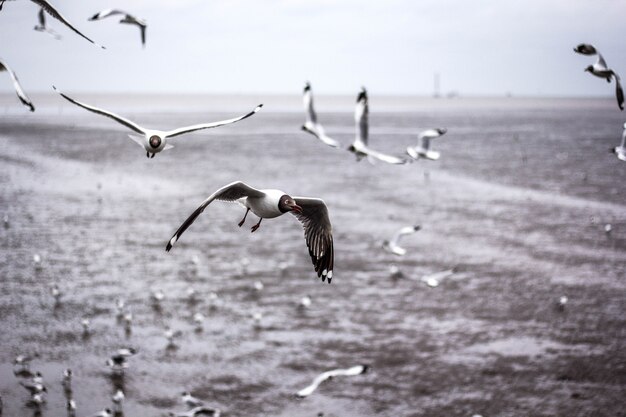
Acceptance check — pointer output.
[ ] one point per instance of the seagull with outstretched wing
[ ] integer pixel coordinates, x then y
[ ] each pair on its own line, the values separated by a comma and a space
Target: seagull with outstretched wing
601, 70
16, 84
393, 246
127, 19
355, 370
422, 149
42, 27
311, 125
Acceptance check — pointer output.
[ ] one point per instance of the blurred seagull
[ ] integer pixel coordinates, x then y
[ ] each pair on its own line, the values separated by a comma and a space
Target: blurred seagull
311, 212
128, 19
126, 352
86, 330
119, 308
157, 296
128, 321
18, 89
70, 406
67, 380
311, 124
37, 400
258, 286
305, 302
118, 401
392, 246
562, 302
192, 295
5, 221
56, 293
213, 300
601, 70
198, 412
170, 335
433, 280
355, 370
42, 27
104, 413
395, 272
620, 150
190, 401
360, 145
256, 319
33, 388
38, 378
117, 363
155, 141
198, 320
23, 361
422, 149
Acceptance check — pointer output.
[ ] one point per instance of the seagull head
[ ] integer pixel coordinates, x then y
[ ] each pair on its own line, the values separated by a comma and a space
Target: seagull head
155, 141
442, 130
287, 203
589, 68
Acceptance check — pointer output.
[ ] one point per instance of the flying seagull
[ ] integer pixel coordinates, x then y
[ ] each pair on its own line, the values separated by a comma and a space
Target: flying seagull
360, 147
422, 149
16, 84
155, 141
200, 411
355, 370
128, 19
49, 8
433, 280
620, 150
311, 125
190, 401
392, 245
267, 204
601, 70
42, 27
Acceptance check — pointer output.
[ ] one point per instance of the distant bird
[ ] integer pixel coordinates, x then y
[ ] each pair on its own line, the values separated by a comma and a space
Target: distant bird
392, 246
37, 400
118, 401
33, 388
305, 302
190, 401
360, 145
433, 280
395, 272
311, 125
422, 149
128, 321
86, 327
117, 364
258, 286
170, 335
120, 308
126, 352
198, 320
23, 361
562, 302
213, 300
155, 141
608, 229
157, 296
601, 70
104, 413
197, 412
56, 293
311, 212
18, 89
355, 370
38, 378
70, 406
42, 27
128, 19
5, 221
620, 150
256, 320
45, 5
67, 380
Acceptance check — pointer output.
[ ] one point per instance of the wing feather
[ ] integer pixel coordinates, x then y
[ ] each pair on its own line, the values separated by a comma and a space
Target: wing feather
193, 128
18, 88
54, 13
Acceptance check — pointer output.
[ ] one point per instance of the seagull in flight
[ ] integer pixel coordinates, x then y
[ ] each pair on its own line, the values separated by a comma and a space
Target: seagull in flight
360, 145
128, 19
601, 70
620, 150
190, 401
267, 204
16, 84
42, 27
311, 125
392, 245
52, 11
355, 370
422, 149
200, 411
155, 141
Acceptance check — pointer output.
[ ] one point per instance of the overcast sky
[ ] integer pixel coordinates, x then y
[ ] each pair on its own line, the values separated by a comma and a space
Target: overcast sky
483, 47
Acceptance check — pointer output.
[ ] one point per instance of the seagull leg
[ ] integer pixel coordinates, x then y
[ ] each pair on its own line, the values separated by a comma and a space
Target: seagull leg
256, 226
244, 218
153, 155
147, 154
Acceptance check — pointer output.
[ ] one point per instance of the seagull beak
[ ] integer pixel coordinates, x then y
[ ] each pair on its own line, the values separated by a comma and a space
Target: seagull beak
296, 208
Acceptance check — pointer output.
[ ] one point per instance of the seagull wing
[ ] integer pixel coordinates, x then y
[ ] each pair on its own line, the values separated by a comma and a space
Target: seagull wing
106, 13
439, 275
193, 128
403, 232
307, 99
54, 13
143, 34
390, 159
585, 49
230, 192
305, 392
355, 370
600, 62
42, 17
318, 234
18, 88
113, 116
361, 118
619, 93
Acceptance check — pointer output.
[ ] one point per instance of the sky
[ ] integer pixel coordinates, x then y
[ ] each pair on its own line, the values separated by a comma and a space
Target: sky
479, 47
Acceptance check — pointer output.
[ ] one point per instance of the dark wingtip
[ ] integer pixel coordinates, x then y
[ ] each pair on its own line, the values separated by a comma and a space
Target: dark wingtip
329, 279
168, 247
365, 368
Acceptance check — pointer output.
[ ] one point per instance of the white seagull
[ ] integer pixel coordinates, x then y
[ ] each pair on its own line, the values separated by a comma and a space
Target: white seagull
355, 370
128, 19
198, 412
104, 413
601, 70
267, 204
433, 280
190, 401
422, 149
155, 141
305, 302
45, 5
118, 401
311, 125
392, 246
16, 84
42, 27
70, 406
67, 379
620, 150
360, 145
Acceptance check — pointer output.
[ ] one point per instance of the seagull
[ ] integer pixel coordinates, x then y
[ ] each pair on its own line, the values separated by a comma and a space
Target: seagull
71, 407
190, 401
155, 141
5, 221
170, 335
37, 261
157, 296
198, 412
129, 19
86, 330
104, 413
422, 149
128, 320
433, 280
256, 318
67, 380
117, 363
391, 246
620, 150
359, 147
355, 370
41, 27
305, 302
120, 308
258, 286
23, 361
601, 70
37, 400
311, 124
213, 300
198, 319
16, 84
118, 401
311, 212
49, 8
33, 388
56, 293
38, 378
126, 352
395, 272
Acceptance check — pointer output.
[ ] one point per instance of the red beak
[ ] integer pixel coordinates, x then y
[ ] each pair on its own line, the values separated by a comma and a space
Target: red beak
296, 208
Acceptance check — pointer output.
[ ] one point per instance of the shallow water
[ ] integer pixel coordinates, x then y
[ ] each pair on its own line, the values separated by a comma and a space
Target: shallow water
518, 202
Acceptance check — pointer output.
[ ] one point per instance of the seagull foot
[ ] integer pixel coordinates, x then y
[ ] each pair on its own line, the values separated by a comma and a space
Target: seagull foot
254, 228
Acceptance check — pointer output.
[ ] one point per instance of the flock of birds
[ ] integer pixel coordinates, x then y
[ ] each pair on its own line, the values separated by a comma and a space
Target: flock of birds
263, 203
